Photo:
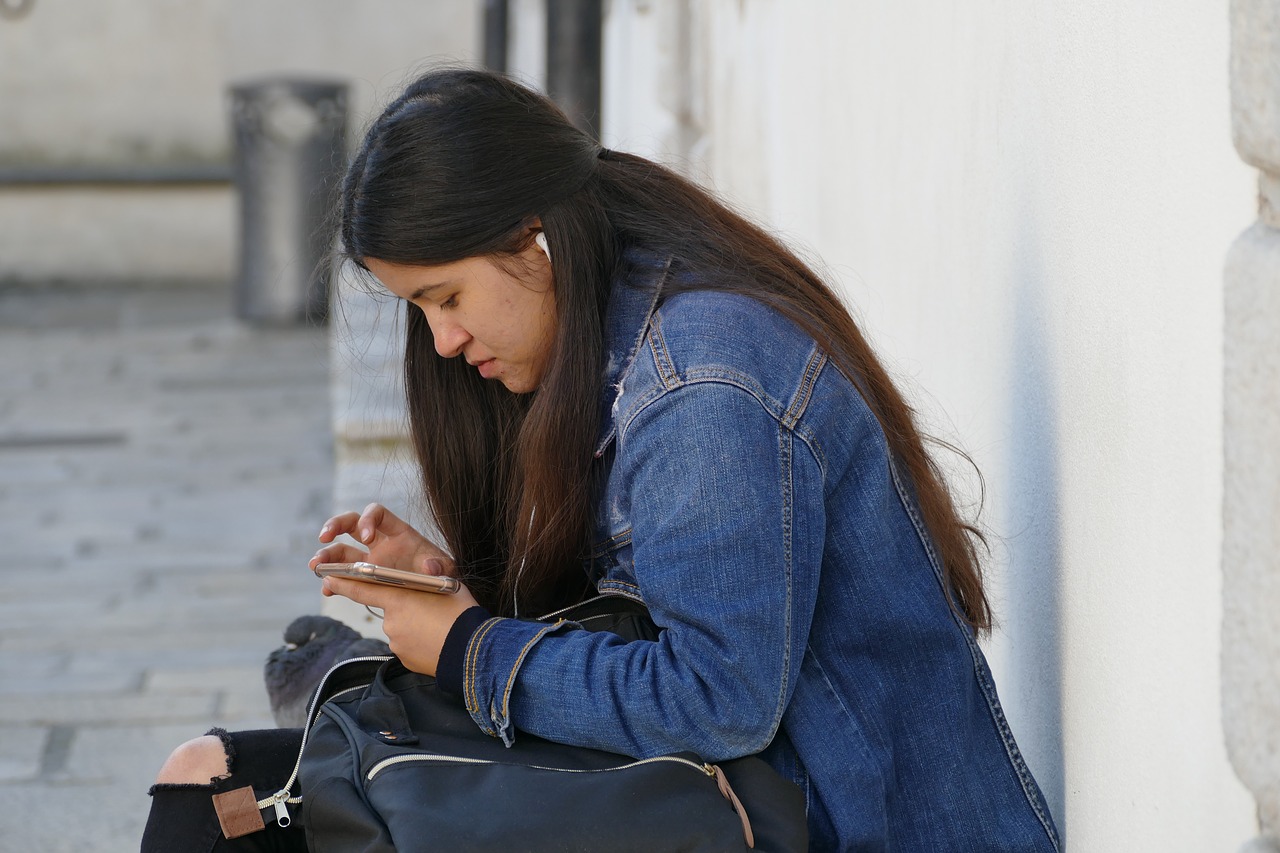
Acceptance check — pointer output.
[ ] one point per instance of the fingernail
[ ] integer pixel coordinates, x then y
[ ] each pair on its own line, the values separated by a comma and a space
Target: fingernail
366, 534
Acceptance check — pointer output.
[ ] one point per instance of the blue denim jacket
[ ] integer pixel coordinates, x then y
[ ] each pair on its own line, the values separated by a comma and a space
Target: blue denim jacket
751, 503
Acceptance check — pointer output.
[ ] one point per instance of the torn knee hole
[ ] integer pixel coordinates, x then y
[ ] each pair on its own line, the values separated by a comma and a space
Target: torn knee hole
200, 762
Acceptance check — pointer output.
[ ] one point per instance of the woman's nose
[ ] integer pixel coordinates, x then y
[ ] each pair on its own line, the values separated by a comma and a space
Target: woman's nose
450, 338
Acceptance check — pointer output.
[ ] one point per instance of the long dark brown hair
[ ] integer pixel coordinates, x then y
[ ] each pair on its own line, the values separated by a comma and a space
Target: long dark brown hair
461, 165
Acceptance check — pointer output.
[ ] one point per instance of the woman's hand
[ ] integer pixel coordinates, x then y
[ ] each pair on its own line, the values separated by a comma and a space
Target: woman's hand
391, 542
416, 623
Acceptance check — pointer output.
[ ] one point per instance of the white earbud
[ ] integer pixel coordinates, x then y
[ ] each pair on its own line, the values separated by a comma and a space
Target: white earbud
541, 240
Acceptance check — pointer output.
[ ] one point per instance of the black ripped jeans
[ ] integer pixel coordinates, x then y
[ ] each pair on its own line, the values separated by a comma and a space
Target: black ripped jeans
183, 819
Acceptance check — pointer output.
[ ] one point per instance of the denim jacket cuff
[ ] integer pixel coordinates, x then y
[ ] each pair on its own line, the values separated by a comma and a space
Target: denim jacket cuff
495, 653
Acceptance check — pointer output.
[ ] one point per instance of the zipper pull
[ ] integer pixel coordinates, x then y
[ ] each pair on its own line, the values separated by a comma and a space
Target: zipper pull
282, 811
727, 791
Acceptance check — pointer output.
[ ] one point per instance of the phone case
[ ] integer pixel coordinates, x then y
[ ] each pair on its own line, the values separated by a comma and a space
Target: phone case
391, 577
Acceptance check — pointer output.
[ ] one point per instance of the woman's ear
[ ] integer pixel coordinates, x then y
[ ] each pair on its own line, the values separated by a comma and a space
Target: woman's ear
540, 239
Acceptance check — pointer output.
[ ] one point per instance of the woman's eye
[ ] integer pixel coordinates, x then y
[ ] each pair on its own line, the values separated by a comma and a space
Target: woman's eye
451, 302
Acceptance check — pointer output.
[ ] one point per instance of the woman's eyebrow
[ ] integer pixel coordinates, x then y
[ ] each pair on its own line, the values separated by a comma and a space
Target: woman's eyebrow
425, 289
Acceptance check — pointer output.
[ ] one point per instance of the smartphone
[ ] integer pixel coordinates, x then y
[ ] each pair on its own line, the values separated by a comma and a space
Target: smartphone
392, 577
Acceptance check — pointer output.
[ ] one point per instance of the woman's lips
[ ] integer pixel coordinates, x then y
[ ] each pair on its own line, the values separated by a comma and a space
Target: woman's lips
487, 368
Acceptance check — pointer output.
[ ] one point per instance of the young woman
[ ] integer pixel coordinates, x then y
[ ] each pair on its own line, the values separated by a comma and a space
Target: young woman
618, 385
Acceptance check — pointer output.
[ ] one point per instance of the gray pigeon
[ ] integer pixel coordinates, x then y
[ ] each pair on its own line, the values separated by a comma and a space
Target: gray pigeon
312, 644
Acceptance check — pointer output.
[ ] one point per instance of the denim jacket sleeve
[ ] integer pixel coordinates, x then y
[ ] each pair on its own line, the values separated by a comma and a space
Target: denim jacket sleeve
726, 548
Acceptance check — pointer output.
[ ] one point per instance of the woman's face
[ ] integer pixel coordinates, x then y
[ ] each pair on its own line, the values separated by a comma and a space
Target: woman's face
502, 324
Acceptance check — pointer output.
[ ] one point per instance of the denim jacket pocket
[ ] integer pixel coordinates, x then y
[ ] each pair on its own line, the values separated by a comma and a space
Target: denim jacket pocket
613, 567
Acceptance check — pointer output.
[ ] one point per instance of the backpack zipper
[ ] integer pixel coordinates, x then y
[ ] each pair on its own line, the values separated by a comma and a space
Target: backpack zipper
283, 798
560, 614
704, 769
709, 770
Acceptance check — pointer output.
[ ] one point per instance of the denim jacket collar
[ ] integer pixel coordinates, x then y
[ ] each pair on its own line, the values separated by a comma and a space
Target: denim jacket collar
632, 302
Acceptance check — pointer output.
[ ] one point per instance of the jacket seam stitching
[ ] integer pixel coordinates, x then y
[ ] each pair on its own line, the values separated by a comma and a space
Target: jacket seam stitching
812, 369
515, 667
785, 447
649, 399
470, 671
623, 425
1012, 753
615, 582
702, 376
661, 356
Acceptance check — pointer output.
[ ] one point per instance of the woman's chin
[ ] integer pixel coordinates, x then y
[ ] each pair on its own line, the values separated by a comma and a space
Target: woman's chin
517, 385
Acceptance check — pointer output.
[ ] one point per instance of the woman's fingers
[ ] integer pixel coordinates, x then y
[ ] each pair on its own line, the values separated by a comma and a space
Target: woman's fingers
338, 525
368, 594
434, 566
384, 597
338, 553
376, 519
364, 526
344, 553
389, 539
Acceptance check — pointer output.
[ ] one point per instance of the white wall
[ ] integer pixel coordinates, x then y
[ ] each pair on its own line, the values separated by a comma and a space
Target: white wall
1028, 204
375, 44
144, 83
86, 83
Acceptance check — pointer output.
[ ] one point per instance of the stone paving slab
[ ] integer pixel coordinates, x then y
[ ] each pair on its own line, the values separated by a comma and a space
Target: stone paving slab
85, 709
163, 472
21, 750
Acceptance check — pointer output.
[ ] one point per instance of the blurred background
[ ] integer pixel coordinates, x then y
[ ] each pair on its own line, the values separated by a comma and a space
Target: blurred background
1058, 222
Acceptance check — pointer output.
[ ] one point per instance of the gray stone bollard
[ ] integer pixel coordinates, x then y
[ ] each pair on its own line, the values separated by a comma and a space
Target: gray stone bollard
290, 154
